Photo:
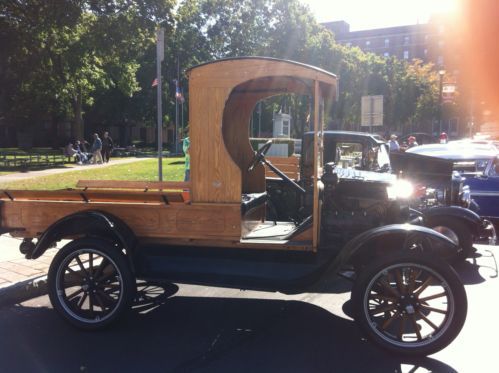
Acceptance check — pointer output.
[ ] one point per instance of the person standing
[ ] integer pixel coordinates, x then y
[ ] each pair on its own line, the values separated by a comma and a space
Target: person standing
186, 145
393, 144
411, 142
107, 147
96, 150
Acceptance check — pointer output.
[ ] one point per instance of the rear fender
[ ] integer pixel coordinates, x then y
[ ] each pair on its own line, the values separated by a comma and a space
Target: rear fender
396, 237
470, 218
88, 223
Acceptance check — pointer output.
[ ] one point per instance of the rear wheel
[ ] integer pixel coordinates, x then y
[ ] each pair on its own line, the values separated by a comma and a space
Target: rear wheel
90, 283
410, 304
456, 231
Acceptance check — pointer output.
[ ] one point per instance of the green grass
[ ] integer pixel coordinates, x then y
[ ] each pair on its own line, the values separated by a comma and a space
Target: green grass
146, 170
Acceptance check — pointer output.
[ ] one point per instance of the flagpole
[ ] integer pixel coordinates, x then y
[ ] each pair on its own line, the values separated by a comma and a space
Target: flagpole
160, 55
177, 87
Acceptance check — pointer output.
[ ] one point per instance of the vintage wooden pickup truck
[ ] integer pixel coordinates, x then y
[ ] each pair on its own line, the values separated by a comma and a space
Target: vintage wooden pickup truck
406, 299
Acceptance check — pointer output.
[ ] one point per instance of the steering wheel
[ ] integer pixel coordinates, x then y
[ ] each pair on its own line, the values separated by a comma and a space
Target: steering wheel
259, 155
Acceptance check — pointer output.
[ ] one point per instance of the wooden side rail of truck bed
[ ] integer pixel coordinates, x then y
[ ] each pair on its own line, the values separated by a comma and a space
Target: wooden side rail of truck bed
128, 184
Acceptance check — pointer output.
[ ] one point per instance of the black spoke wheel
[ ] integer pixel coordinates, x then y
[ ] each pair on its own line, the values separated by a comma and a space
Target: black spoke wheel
410, 304
90, 283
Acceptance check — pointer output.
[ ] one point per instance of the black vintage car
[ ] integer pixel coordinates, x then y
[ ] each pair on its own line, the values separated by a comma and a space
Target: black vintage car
433, 194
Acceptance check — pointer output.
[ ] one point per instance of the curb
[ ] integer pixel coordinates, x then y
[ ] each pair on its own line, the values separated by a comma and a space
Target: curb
23, 290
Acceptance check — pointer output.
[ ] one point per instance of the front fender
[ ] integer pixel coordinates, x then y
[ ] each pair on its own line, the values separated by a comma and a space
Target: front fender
396, 237
94, 223
470, 218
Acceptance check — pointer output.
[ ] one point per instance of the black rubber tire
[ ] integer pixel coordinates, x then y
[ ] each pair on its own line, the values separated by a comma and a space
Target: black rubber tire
455, 301
461, 230
115, 260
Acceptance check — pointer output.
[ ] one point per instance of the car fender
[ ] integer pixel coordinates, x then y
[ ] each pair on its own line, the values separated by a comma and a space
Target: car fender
396, 237
89, 223
470, 218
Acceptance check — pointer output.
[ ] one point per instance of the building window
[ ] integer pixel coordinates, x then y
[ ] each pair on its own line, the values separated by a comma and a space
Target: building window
368, 43
406, 40
440, 60
285, 128
387, 43
406, 55
386, 54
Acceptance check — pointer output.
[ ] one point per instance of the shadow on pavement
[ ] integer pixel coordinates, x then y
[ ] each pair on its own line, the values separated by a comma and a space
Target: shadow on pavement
195, 334
477, 269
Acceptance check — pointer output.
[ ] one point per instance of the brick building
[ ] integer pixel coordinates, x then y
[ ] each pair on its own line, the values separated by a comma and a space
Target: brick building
437, 42
433, 42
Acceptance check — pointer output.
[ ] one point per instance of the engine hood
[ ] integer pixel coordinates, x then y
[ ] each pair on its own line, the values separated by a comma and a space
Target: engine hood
366, 176
418, 167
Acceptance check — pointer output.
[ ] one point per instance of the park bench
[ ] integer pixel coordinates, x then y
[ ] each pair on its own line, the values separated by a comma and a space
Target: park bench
30, 160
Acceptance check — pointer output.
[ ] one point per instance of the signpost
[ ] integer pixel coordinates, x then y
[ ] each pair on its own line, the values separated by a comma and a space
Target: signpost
160, 56
372, 111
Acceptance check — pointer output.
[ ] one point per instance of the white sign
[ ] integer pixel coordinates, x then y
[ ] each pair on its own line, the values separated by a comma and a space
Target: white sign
372, 111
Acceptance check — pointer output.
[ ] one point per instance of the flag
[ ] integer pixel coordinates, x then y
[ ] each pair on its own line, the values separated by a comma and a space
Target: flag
154, 82
178, 92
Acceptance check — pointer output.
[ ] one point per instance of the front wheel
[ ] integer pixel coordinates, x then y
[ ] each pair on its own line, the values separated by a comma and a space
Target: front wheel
410, 304
90, 283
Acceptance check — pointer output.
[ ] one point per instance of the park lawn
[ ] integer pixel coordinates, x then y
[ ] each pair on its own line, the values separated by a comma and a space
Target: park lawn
146, 170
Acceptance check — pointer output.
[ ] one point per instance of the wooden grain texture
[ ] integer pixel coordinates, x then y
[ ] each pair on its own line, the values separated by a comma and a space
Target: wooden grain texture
316, 227
222, 96
222, 221
289, 165
132, 184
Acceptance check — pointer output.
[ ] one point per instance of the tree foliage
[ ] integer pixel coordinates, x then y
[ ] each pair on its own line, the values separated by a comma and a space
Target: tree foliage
94, 60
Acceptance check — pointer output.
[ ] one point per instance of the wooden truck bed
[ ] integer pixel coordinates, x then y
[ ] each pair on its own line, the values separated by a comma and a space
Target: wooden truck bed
155, 211
152, 209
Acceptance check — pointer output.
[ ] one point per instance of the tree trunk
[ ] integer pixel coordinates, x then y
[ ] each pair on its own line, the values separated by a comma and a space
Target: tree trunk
77, 129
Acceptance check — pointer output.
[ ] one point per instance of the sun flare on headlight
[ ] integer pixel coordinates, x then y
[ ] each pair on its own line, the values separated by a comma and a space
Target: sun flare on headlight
400, 189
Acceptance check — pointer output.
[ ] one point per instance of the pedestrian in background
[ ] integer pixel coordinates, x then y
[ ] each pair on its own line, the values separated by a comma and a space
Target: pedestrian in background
186, 145
393, 144
411, 142
96, 150
107, 147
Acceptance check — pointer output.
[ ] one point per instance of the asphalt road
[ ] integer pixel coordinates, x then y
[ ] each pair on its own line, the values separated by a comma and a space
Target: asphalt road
204, 329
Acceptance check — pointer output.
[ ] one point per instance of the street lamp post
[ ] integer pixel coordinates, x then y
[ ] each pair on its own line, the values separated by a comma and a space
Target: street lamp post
441, 74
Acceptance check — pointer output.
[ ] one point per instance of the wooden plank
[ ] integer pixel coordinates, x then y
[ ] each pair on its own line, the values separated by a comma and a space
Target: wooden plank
129, 184
315, 238
219, 222
118, 196
293, 160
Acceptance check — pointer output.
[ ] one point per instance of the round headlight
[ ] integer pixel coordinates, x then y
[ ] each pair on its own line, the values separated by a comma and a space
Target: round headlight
400, 189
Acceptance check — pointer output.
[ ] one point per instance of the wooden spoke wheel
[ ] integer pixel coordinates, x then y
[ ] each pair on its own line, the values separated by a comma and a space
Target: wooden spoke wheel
90, 283
410, 304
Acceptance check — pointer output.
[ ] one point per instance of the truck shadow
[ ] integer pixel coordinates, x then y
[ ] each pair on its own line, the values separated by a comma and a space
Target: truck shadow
198, 334
477, 269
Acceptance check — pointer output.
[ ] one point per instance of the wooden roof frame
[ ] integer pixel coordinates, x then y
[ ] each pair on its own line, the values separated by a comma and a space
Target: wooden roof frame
222, 96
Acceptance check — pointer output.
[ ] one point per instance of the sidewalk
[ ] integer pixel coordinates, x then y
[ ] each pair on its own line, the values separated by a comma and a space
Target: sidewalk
20, 278
53, 171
